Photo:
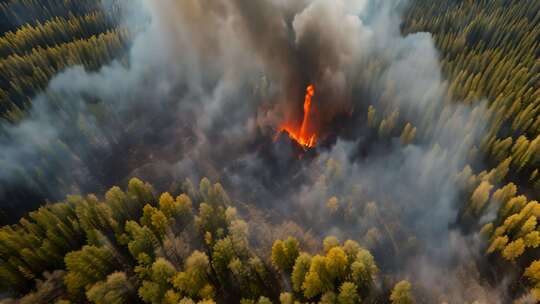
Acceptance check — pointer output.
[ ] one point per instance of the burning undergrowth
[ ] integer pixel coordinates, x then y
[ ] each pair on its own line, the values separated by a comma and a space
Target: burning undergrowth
237, 91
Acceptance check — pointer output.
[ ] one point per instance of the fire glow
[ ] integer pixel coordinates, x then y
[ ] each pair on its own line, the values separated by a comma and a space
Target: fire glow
304, 135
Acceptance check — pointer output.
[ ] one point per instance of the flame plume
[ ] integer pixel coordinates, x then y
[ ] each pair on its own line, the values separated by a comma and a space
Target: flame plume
303, 135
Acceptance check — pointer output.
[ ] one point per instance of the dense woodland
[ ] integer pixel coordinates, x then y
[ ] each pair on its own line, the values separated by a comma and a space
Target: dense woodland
132, 247
491, 50
197, 245
48, 37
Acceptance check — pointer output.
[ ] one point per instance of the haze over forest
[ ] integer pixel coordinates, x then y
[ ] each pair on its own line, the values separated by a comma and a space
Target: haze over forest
269, 151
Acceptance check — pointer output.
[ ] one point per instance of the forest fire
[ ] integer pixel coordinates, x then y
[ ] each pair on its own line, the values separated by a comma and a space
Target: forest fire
304, 135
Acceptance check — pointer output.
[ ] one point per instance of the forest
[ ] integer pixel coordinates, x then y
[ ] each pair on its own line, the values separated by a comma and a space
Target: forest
159, 151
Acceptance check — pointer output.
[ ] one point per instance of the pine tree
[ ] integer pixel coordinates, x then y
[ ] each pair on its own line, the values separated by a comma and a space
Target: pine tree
86, 267
284, 254
514, 249
115, 290
153, 290
300, 270
401, 294
195, 277
348, 294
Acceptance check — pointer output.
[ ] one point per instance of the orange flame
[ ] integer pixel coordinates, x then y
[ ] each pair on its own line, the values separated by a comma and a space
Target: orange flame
303, 136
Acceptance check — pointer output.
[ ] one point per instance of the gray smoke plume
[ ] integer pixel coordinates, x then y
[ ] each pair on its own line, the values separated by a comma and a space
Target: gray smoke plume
204, 89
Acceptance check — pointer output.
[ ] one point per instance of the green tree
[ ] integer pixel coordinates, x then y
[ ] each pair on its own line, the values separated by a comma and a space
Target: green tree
480, 196
317, 280
86, 267
364, 269
115, 290
285, 253
348, 294
330, 242
195, 277
141, 239
153, 290
401, 294
336, 264
300, 269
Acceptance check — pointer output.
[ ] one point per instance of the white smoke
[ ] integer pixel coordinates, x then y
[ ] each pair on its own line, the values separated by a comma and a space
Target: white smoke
206, 85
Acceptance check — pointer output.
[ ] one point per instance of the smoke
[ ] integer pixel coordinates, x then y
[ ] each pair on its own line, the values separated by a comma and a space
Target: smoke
204, 88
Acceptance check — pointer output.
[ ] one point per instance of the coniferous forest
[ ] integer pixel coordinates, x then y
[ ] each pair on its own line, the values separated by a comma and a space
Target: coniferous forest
303, 151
